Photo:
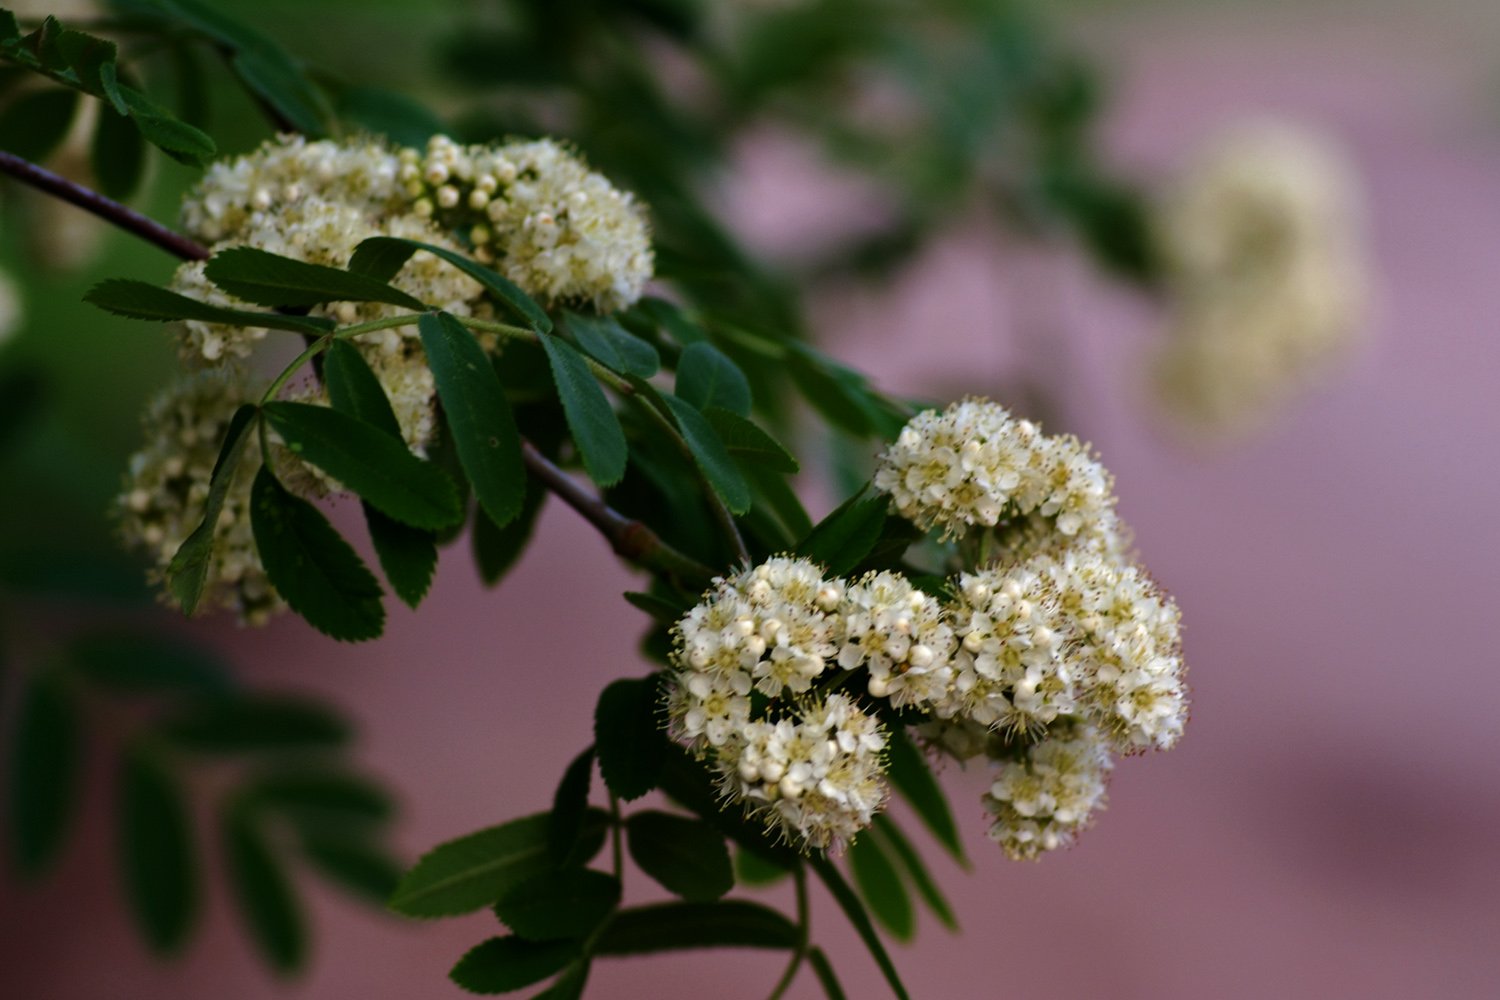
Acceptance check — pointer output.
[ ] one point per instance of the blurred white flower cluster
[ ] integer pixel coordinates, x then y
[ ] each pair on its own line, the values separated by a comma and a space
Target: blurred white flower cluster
1055, 653
564, 234
1262, 242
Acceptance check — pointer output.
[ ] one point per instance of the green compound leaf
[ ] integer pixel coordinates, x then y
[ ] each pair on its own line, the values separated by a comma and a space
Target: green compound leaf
855, 911
268, 279
592, 421
913, 779
846, 536
35, 124
570, 805
139, 300
479, 416
730, 923
253, 724
706, 377
44, 771
505, 964
880, 885
382, 257
138, 663
370, 462
749, 443
901, 850
627, 738
711, 455
826, 978
612, 345
686, 856
472, 872
311, 566
352, 863
263, 893
187, 573
568, 903
157, 857
408, 555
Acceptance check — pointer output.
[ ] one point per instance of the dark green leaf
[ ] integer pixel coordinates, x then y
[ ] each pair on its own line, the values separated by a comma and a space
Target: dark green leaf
187, 573
408, 555
268, 279
569, 985
254, 723
316, 799
382, 257
755, 869
628, 737
746, 441
706, 377
370, 462
365, 870
570, 805
263, 893
686, 856
117, 155
592, 421
472, 872
276, 79
901, 850
156, 852
484, 429
613, 346
824, 970
777, 496
687, 781
881, 886
567, 903
672, 319
855, 911
503, 964
35, 124
389, 113
496, 550
913, 779
842, 539
139, 300
44, 771
311, 566
730, 923
710, 454
141, 663
662, 610
840, 397
93, 62
179, 140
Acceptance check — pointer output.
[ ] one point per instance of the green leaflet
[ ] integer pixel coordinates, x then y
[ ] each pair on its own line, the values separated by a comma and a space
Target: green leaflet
630, 745
503, 964
729, 923
592, 421
157, 858
880, 885
268, 279
43, 771
263, 893
686, 856
706, 377
140, 300
381, 257
565, 903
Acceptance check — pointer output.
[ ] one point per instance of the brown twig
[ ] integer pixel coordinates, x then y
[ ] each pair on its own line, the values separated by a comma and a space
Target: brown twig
107, 209
630, 539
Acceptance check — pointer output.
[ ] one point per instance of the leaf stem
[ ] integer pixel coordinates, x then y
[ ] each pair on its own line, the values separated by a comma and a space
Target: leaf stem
107, 209
803, 937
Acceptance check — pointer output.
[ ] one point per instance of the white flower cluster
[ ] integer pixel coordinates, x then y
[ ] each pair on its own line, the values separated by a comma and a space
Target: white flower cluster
560, 231
535, 210
974, 464
1041, 801
167, 485
1262, 242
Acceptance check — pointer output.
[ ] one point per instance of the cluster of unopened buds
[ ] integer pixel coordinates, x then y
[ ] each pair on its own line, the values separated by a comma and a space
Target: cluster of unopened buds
1053, 656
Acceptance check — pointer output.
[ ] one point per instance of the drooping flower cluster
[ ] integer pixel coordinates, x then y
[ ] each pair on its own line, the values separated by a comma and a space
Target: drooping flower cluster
316, 201
167, 485
975, 464
1053, 654
1043, 799
1262, 243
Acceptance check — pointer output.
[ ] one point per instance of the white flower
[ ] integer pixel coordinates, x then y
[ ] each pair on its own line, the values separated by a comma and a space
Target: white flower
1042, 800
901, 635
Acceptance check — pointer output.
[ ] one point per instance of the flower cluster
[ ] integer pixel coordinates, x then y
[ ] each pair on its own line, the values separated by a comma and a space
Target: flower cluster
1055, 653
975, 464
316, 201
167, 484
1261, 239
555, 227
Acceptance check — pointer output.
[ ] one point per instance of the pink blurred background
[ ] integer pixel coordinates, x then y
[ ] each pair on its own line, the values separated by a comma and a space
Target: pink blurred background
1331, 824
